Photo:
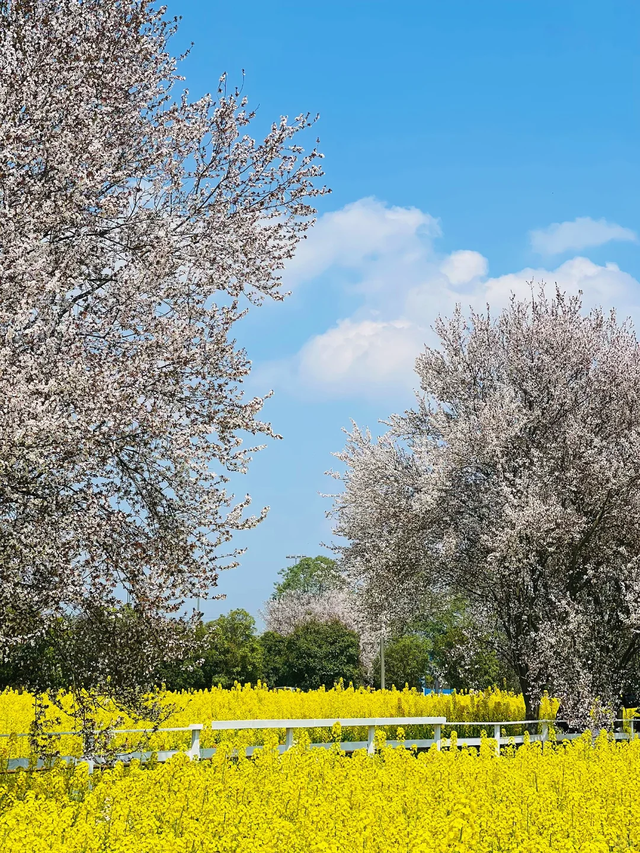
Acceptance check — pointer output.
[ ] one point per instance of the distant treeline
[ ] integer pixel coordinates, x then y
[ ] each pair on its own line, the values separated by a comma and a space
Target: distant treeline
229, 649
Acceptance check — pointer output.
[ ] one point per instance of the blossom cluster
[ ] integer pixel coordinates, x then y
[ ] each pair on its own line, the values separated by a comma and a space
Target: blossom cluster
514, 483
286, 612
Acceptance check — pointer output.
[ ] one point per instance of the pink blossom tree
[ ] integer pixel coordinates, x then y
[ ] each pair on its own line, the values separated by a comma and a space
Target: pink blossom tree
313, 590
293, 608
515, 482
136, 228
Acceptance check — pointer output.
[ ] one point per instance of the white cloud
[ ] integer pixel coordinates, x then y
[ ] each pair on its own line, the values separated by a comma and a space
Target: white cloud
600, 285
361, 233
577, 235
361, 356
403, 285
463, 266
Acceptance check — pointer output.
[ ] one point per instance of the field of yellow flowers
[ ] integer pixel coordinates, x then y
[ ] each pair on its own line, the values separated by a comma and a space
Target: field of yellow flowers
259, 702
575, 797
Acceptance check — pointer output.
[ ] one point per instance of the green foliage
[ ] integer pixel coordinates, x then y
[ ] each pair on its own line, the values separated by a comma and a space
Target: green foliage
464, 655
179, 655
227, 650
408, 660
274, 656
115, 646
466, 664
25, 665
314, 575
315, 654
444, 645
233, 652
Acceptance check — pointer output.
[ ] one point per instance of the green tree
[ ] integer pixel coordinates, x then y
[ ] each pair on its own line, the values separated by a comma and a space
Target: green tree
225, 650
446, 644
274, 657
70, 652
233, 652
314, 575
465, 660
315, 654
408, 660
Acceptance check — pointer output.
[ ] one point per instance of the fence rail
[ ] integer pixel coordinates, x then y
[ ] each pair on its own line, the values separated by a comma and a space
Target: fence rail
196, 751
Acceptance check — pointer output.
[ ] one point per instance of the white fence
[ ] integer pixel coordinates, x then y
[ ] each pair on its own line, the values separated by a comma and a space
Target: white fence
196, 751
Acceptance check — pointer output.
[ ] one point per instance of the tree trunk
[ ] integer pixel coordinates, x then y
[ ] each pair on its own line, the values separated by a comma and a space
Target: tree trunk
532, 707
531, 698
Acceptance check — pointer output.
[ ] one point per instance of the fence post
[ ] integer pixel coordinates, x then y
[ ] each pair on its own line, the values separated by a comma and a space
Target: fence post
288, 740
632, 729
194, 750
545, 732
496, 734
437, 735
371, 740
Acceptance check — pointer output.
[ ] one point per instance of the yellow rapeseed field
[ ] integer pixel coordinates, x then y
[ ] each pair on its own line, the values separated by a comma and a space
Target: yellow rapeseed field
260, 702
561, 798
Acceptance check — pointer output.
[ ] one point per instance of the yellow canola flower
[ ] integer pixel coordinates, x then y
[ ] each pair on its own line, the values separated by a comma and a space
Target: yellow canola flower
259, 702
575, 798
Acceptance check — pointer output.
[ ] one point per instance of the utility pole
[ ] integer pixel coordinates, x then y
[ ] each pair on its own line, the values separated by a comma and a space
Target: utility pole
382, 685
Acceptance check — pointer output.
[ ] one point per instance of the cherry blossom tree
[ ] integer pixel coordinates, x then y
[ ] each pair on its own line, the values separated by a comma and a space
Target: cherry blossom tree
313, 590
514, 482
136, 228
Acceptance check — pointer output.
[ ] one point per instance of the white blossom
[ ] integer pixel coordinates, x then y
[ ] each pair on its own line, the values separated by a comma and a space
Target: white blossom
136, 227
515, 482
285, 613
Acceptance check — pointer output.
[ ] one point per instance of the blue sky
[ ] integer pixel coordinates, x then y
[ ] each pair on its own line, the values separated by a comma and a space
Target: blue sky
469, 147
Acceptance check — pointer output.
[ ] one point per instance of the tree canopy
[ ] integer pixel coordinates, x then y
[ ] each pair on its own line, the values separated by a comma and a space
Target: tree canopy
315, 654
310, 575
514, 482
136, 228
